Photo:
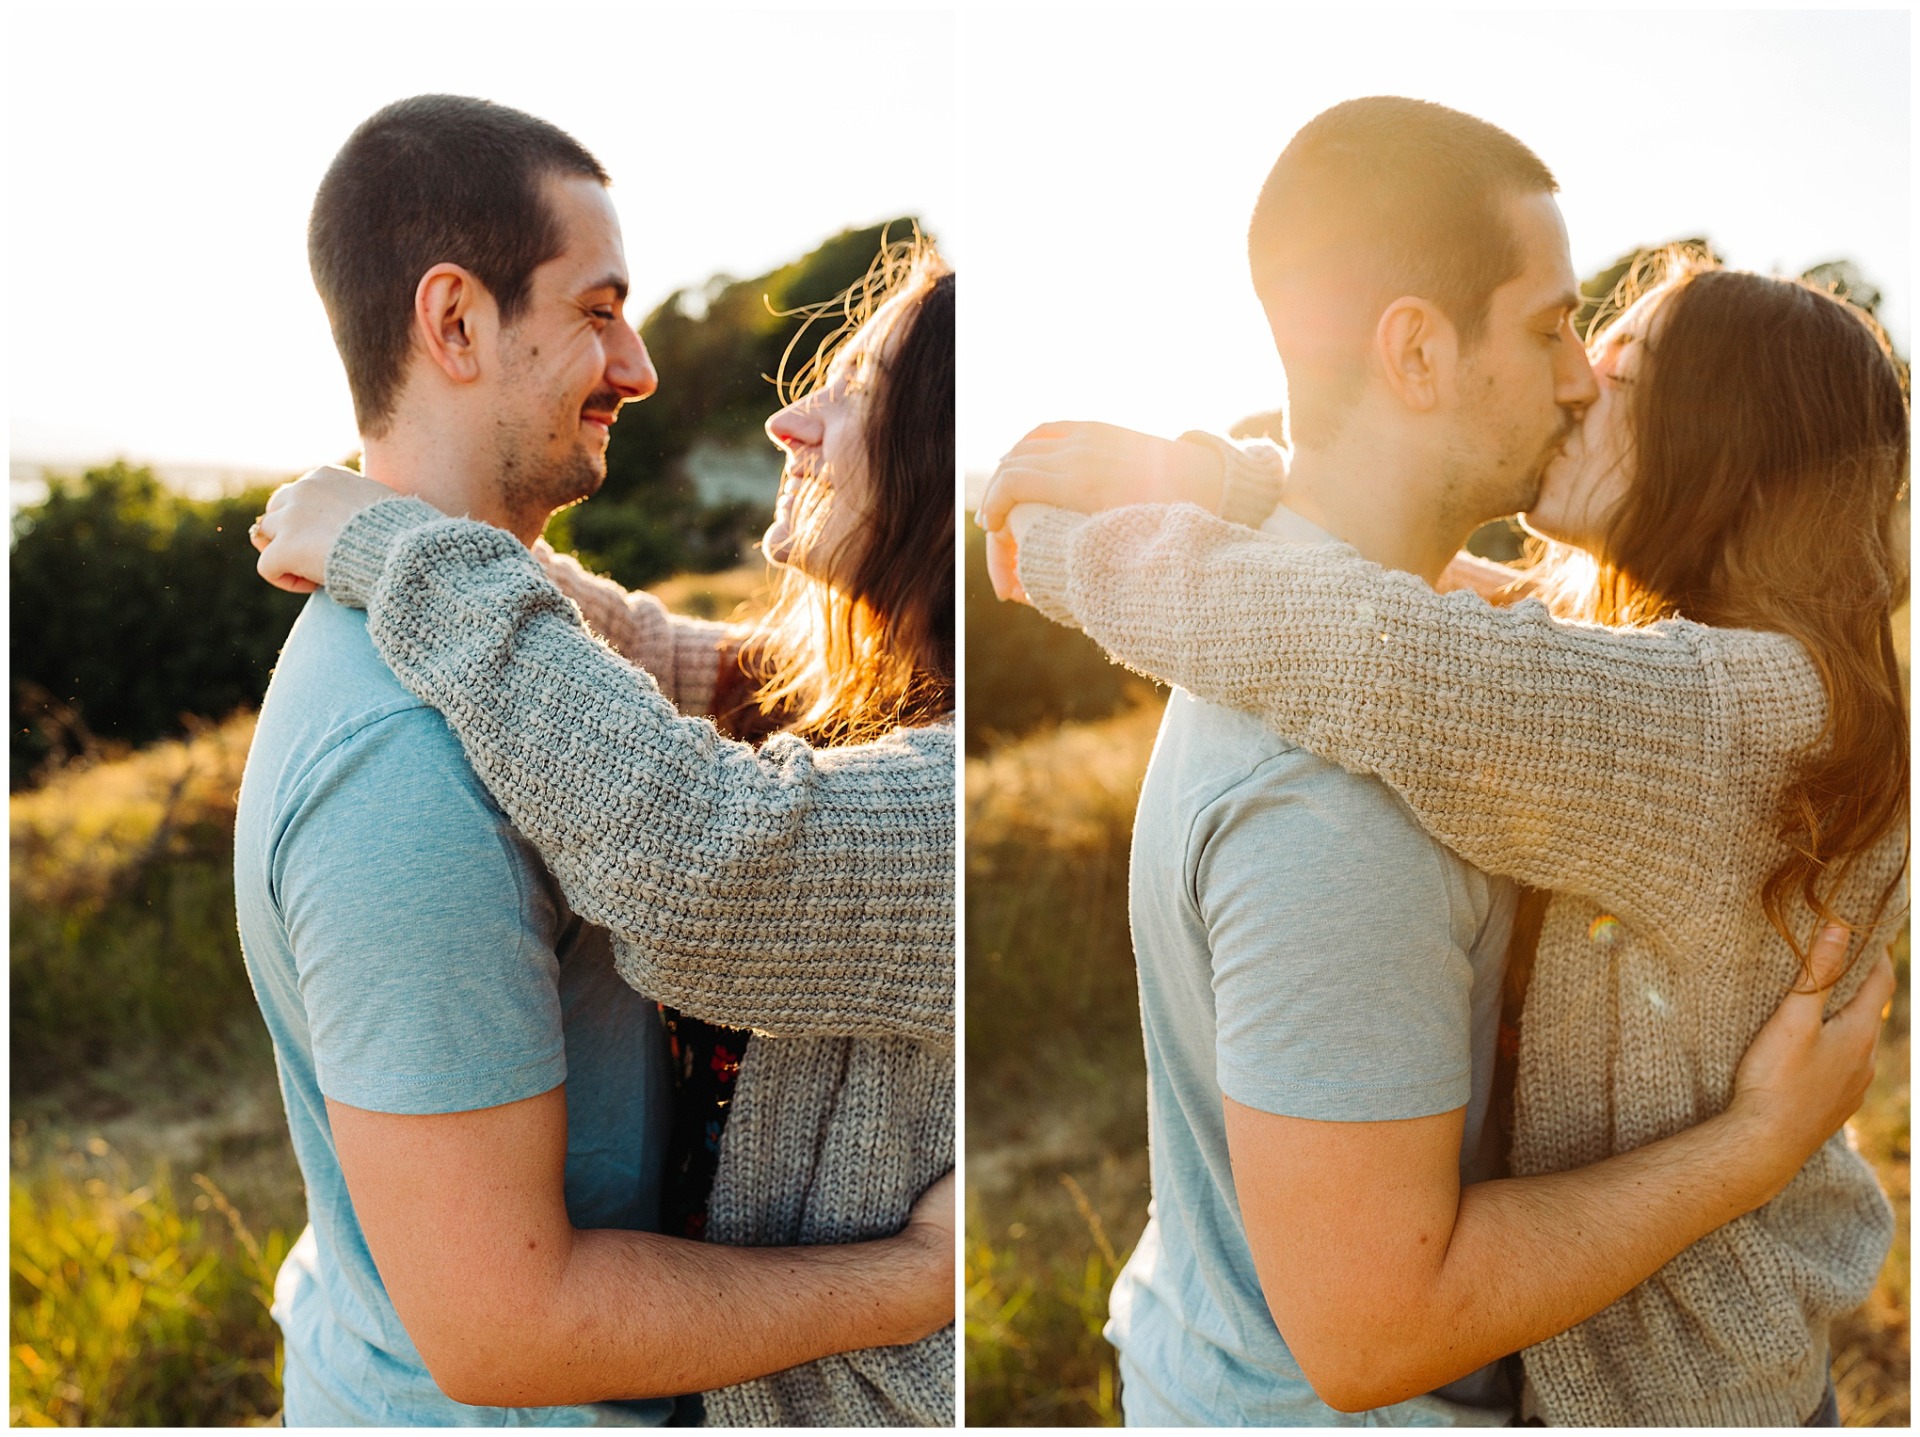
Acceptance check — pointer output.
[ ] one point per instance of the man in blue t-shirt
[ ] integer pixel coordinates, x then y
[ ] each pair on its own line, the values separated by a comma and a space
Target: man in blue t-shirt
477, 1102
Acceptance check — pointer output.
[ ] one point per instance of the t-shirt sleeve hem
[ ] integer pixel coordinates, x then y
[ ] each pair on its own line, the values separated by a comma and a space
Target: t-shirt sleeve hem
425, 1094
1346, 1102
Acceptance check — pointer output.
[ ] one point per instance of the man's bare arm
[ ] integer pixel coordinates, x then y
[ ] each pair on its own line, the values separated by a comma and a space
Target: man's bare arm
511, 1306
1387, 1279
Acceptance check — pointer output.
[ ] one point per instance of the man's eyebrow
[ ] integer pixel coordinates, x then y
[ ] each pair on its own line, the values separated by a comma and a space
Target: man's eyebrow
612, 280
1568, 302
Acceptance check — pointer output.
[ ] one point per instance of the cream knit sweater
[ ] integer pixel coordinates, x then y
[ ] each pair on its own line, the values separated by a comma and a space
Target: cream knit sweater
806, 894
1635, 774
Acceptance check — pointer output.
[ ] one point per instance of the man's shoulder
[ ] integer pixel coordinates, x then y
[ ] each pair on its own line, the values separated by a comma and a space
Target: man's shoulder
331, 688
1215, 755
1230, 797
333, 698
329, 663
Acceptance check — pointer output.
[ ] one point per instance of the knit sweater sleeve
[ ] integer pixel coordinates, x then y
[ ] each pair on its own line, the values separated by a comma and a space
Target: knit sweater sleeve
1608, 763
800, 892
1252, 475
682, 654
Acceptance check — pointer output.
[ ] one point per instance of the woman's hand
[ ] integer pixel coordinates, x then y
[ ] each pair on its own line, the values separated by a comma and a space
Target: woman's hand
1496, 583
1089, 467
1003, 554
302, 521
1802, 1076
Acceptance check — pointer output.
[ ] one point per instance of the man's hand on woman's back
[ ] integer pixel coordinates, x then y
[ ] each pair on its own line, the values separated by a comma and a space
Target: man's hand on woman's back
1805, 1074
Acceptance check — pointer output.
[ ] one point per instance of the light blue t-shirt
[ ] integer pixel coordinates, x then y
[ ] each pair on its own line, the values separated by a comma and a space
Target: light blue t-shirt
411, 955
1306, 949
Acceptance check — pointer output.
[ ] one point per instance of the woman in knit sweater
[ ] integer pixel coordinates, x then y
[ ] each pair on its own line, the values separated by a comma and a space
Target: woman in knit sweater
1700, 785
790, 906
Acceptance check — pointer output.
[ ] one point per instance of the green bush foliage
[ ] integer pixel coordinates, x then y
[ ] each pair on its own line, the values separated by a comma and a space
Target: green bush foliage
134, 607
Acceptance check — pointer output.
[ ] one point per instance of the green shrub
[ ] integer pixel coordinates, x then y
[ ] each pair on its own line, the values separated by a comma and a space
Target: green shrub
1050, 981
1036, 1303
133, 608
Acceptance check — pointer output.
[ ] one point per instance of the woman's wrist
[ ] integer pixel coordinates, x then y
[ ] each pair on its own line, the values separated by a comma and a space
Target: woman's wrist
1046, 538
359, 555
1243, 484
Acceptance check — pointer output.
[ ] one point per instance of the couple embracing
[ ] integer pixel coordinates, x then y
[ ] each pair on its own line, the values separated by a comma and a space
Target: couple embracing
1511, 944
609, 970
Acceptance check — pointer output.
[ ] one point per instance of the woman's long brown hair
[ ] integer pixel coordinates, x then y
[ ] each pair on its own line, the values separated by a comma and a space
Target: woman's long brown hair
846, 662
1769, 446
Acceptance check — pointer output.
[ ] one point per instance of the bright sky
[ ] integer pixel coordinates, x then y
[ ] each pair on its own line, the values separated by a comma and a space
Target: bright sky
1111, 165
164, 159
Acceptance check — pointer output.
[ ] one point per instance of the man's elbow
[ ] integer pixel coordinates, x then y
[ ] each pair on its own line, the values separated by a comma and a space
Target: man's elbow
1346, 1391
1357, 1367
479, 1356
477, 1377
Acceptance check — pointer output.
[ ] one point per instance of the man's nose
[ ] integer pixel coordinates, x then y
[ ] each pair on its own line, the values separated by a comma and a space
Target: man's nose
1577, 388
630, 367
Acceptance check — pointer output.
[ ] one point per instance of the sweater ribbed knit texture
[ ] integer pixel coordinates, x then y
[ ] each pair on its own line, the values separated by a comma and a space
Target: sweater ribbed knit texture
1636, 773
806, 894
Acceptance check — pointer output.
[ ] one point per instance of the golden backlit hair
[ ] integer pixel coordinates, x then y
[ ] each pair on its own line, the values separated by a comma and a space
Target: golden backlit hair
848, 662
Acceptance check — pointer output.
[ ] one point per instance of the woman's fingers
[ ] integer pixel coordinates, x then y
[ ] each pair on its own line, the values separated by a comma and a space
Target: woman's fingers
302, 521
1003, 566
277, 564
1828, 960
1021, 481
272, 567
280, 496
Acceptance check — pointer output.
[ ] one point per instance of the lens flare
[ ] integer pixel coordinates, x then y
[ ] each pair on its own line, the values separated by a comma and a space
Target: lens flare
1604, 930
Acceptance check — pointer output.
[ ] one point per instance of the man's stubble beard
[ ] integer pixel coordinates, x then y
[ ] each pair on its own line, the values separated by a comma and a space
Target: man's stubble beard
532, 484
1476, 492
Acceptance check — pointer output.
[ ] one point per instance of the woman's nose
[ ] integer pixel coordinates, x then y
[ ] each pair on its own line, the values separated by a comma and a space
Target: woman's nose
794, 427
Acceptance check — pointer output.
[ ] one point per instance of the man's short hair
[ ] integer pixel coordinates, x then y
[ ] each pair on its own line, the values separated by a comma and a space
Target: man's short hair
435, 179
1386, 197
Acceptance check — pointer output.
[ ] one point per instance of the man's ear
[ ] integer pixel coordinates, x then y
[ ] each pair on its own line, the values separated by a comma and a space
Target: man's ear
452, 314
1418, 350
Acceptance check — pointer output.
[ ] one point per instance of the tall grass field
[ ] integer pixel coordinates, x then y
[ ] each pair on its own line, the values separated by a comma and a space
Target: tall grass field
152, 1189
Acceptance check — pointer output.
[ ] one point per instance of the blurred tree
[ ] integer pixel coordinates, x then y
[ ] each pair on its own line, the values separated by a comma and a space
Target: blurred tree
133, 607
